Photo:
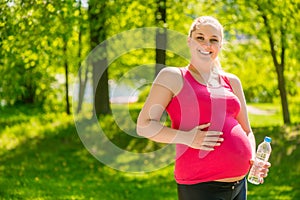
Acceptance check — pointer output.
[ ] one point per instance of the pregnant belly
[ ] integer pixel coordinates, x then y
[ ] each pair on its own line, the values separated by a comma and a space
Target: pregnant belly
235, 152
236, 142
230, 159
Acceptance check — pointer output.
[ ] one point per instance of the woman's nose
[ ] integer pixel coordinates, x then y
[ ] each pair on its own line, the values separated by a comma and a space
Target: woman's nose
206, 43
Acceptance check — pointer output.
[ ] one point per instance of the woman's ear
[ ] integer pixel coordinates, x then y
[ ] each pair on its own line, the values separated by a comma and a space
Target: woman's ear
189, 39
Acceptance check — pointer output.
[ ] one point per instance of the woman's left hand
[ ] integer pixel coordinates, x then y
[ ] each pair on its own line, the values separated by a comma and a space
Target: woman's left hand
264, 170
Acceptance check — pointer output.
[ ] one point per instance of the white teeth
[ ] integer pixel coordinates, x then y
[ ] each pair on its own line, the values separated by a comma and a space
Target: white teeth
204, 52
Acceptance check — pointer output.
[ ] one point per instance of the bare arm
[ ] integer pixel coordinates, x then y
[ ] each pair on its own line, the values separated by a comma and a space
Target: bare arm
244, 121
243, 114
167, 84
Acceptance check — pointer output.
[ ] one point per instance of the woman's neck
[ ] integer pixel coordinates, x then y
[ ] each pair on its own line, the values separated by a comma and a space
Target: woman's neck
202, 65
200, 70
203, 75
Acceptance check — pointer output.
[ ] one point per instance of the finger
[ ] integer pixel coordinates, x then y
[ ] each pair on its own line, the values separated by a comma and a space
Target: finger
203, 126
251, 161
203, 147
214, 133
264, 173
207, 148
267, 165
213, 139
211, 144
264, 170
261, 180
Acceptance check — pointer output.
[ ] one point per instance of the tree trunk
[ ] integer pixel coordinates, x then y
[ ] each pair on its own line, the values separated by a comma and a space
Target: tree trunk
67, 79
160, 51
101, 94
161, 36
82, 79
279, 66
100, 74
82, 86
283, 94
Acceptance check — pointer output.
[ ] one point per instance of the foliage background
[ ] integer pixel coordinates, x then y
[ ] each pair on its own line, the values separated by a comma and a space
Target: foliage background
43, 43
35, 33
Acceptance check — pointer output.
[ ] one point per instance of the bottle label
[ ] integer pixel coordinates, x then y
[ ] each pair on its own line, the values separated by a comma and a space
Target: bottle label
262, 156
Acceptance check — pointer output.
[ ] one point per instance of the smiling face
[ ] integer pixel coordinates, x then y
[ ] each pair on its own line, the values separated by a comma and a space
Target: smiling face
205, 41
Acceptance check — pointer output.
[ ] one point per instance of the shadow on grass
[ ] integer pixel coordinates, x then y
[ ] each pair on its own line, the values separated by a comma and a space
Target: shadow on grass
58, 166
19, 113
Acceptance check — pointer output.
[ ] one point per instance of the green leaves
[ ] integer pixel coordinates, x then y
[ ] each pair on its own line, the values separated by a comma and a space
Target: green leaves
31, 47
33, 34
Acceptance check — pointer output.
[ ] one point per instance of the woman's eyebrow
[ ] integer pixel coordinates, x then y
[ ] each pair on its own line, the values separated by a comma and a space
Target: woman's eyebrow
215, 36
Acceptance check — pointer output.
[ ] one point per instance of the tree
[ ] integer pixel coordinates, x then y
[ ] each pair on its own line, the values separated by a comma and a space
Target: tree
161, 35
278, 46
22, 45
66, 22
36, 46
83, 75
271, 26
97, 18
279, 22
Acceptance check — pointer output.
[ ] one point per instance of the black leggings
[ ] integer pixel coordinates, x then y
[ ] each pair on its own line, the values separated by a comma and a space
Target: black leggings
213, 191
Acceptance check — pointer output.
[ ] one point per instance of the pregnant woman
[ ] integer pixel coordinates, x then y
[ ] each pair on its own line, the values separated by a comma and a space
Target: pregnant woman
210, 126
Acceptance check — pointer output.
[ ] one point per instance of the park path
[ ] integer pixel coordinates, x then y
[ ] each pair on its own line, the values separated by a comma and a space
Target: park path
257, 111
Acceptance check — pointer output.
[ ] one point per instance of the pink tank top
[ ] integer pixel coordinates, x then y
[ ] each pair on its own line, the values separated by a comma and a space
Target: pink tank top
198, 104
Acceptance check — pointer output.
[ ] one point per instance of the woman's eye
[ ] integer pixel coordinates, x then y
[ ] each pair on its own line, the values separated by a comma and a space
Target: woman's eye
200, 38
214, 41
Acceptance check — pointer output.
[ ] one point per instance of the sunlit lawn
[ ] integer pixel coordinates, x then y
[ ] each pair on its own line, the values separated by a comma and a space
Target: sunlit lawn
42, 157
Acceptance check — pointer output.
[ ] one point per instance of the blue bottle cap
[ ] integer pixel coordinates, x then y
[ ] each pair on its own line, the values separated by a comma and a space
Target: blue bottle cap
268, 139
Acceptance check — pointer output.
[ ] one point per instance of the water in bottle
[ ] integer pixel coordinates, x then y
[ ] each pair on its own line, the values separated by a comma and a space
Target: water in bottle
262, 155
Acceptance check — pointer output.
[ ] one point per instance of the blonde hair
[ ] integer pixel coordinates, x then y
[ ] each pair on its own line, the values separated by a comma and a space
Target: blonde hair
208, 20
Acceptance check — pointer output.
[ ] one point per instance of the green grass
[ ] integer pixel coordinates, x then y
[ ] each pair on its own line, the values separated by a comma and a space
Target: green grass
276, 114
42, 157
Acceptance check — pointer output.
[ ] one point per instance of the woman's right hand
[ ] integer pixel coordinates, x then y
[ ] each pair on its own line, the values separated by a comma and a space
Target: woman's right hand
204, 140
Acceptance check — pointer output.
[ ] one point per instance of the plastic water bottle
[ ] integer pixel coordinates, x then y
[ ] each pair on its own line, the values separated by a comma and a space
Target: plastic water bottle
262, 155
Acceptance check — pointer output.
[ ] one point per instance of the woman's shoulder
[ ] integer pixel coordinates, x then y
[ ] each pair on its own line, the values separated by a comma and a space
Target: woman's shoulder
234, 82
170, 77
232, 78
169, 73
